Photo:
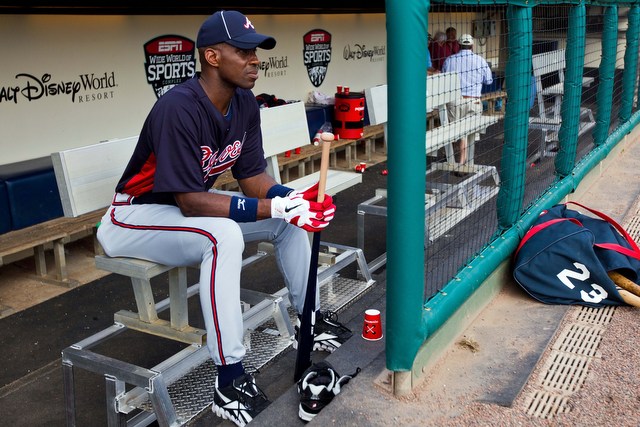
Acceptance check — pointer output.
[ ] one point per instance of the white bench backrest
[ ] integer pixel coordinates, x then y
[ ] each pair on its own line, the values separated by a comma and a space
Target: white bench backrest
87, 176
441, 89
376, 99
548, 62
284, 128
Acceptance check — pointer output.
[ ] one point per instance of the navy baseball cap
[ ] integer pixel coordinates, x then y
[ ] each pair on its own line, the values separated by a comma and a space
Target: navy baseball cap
233, 28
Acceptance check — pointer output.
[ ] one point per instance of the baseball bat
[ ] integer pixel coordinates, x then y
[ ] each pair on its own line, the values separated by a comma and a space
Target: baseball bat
308, 320
624, 283
629, 298
628, 290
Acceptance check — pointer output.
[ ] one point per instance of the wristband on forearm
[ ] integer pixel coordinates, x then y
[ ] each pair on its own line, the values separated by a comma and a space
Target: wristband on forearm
278, 191
243, 209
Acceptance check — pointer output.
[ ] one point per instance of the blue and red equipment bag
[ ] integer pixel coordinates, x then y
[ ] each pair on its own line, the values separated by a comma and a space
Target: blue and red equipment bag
565, 258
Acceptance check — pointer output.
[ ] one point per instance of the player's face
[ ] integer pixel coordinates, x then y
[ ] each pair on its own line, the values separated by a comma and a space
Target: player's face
239, 66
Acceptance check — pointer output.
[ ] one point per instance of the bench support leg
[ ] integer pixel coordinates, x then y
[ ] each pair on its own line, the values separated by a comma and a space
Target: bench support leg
178, 297
147, 320
144, 300
162, 406
114, 388
69, 393
60, 260
41, 262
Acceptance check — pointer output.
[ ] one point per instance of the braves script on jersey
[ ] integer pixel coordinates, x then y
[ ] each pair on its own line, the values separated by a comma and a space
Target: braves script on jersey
186, 143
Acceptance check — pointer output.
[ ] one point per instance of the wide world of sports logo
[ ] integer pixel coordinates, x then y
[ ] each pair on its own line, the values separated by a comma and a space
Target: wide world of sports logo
316, 54
170, 60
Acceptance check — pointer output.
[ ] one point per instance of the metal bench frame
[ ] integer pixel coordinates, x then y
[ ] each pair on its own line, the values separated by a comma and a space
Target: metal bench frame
549, 120
445, 204
85, 183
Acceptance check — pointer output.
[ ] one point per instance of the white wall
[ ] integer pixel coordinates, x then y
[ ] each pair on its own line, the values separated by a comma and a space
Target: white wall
111, 48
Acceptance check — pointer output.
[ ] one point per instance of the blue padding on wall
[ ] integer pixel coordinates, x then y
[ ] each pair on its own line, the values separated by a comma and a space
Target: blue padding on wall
25, 167
5, 215
33, 199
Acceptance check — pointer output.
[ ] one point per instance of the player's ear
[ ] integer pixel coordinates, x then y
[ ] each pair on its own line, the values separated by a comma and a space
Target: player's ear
211, 55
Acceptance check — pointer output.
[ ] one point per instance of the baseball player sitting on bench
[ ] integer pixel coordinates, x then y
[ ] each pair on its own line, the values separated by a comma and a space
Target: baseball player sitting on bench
164, 212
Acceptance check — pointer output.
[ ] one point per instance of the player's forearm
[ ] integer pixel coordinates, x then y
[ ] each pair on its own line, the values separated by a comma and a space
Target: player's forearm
203, 204
257, 186
221, 205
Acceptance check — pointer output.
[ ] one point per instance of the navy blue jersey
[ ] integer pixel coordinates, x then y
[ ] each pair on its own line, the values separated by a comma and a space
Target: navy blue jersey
186, 143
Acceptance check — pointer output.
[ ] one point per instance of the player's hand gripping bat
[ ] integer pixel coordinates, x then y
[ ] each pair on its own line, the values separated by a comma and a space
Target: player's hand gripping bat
308, 320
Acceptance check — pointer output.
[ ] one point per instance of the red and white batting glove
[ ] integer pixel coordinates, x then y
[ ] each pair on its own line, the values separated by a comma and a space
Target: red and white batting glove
327, 207
308, 215
309, 193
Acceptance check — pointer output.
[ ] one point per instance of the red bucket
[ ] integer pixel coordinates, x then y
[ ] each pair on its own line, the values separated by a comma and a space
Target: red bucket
348, 120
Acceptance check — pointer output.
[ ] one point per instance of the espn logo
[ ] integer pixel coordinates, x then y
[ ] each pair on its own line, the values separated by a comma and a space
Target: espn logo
317, 37
170, 46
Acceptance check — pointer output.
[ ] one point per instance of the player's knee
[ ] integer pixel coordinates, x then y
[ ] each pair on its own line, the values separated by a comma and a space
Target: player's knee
227, 234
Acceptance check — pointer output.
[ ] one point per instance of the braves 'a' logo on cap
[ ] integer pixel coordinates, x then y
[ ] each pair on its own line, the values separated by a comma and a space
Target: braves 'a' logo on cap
316, 53
248, 24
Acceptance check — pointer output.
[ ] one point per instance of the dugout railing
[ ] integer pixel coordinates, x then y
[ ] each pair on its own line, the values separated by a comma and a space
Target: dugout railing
599, 41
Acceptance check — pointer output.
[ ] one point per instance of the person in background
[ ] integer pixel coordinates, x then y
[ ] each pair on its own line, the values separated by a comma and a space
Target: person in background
473, 71
164, 209
452, 40
439, 50
430, 69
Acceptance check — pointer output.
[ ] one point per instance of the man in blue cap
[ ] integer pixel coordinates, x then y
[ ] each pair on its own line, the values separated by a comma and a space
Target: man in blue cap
164, 209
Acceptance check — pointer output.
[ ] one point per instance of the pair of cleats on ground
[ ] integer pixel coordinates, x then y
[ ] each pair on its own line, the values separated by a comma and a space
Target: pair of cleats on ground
242, 400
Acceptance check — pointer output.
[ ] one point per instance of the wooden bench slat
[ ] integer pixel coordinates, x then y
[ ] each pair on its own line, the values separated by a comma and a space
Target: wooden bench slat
46, 232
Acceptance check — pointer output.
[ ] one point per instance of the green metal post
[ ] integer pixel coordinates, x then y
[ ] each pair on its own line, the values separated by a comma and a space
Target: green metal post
570, 110
406, 77
630, 64
606, 72
516, 122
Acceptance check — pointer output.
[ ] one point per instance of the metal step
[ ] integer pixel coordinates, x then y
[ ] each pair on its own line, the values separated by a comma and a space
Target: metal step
192, 392
177, 389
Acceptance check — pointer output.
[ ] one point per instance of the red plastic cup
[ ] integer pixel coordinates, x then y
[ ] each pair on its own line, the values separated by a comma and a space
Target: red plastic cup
372, 328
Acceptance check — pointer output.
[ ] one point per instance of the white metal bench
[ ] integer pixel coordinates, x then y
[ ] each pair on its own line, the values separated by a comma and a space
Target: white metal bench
86, 178
445, 204
442, 88
548, 119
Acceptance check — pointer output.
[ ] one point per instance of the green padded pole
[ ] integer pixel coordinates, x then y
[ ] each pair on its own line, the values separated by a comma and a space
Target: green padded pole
516, 122
406, 154
630, 64
606, 72
570, 110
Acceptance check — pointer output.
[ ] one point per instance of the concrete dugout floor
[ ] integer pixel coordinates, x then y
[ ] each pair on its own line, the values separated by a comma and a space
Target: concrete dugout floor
511, 333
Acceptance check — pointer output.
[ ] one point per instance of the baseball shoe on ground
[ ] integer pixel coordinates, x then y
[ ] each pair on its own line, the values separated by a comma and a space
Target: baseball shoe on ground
240, 402
319, 384
329, 334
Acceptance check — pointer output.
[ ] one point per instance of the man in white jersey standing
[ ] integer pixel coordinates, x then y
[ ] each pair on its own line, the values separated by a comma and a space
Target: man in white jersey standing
473, 71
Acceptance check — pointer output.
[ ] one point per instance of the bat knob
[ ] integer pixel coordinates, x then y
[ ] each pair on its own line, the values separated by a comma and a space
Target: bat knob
327, 136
